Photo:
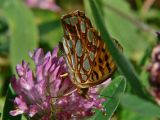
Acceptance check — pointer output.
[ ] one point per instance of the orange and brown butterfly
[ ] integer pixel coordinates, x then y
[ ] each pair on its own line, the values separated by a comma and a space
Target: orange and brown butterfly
88, 59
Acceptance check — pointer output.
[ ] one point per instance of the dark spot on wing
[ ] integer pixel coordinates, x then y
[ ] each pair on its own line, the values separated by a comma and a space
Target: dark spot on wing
103, 50
96, 74
108, 67
106, 57
71, 51
100, 68
100, 60
71, 30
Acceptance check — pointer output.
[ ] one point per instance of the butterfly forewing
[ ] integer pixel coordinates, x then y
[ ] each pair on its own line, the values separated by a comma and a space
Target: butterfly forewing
75, 45
88, 58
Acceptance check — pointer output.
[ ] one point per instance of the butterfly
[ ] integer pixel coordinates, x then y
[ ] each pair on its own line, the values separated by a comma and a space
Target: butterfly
87, 56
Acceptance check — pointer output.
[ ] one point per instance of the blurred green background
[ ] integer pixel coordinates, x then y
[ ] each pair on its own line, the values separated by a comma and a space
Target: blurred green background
132, 22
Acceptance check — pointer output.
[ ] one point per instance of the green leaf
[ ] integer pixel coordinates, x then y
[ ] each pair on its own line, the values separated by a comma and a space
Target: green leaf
122, 24
51, 32
140, 106
24, 118
4, 81
123, 63
130, 115
50, 28
115, 90
2, 99
23, 37
8, 106
22, 29
3, 26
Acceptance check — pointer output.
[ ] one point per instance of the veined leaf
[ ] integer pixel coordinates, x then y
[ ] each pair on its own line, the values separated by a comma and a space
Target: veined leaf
115, 91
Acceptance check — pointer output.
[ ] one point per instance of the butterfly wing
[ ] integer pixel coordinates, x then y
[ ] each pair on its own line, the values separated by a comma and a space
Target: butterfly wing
88, 58
75, 42
104, 65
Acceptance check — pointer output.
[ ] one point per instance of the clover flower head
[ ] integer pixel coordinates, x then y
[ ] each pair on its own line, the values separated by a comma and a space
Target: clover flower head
48, 93
154, 72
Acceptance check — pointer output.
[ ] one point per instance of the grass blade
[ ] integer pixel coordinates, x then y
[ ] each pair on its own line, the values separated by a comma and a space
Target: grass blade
123, 63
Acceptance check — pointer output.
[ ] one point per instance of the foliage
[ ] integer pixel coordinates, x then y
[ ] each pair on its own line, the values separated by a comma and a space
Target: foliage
23, 29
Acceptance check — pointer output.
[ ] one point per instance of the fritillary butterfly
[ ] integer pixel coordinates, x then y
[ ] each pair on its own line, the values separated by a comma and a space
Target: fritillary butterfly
88, 58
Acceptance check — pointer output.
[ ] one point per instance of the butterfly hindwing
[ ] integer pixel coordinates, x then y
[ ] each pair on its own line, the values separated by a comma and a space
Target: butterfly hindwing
103, 64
